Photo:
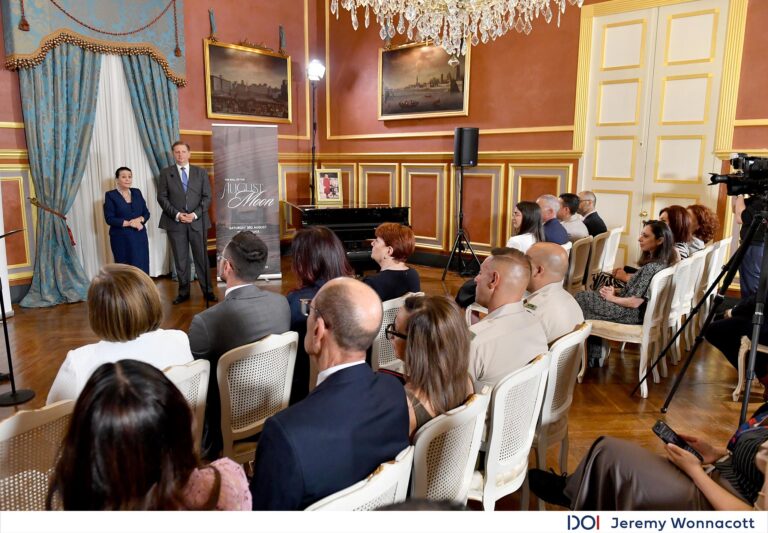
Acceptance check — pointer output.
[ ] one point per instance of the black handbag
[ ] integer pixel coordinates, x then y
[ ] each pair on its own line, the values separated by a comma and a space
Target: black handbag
606, 279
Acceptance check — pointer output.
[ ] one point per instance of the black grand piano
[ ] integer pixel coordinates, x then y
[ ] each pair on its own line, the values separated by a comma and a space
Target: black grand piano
354, 226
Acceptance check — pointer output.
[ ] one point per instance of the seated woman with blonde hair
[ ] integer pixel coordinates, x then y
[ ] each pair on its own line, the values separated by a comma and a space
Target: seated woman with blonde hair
124, 310
431, 337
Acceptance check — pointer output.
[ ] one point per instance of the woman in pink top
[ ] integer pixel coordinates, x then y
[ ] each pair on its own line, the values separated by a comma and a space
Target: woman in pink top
130, 447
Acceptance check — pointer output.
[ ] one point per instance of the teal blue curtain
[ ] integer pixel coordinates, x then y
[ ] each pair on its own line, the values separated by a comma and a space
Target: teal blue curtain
59, 106
156, 107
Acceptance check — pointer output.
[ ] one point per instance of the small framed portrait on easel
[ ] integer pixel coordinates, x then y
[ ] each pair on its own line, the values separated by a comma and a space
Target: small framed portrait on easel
328, 190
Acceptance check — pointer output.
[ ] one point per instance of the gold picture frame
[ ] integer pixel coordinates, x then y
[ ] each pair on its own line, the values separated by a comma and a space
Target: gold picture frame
416, 81
329, 188
244, 83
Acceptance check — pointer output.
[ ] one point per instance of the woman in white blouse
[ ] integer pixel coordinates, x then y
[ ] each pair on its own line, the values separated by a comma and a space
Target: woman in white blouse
124, 310
527, 226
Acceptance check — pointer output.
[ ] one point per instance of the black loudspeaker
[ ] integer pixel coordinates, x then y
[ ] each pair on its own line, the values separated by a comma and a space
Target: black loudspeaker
465, 147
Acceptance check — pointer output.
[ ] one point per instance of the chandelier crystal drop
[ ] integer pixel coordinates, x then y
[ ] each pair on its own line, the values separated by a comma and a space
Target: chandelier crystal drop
451, 23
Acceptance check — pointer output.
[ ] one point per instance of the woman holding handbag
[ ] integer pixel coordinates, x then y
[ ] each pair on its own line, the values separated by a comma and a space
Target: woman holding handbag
627, 305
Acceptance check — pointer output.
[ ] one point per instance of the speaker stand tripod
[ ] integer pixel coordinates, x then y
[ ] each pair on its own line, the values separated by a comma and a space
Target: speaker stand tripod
465, 268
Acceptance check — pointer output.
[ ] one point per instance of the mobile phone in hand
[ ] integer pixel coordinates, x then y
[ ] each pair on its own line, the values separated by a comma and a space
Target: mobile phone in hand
665, 433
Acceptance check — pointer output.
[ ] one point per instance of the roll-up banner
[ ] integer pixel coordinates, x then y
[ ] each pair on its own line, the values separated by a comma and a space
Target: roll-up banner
245, 187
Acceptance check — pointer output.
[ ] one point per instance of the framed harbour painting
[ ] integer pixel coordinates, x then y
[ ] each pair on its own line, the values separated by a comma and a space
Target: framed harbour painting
420, 81
244, 83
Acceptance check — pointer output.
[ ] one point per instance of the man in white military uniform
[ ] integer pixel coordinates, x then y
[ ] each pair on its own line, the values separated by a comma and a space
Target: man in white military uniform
570, 219
509, 336
554, 306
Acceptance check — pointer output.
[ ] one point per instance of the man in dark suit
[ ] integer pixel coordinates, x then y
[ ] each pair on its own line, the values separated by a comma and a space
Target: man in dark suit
184, 193
553, 230
246, 315
593, 222
354, 419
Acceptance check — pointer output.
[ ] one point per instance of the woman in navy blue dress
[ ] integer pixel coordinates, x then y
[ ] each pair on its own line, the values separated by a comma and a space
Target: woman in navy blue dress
126, 213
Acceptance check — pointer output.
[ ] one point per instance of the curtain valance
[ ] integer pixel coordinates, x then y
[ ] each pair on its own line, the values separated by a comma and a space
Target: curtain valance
32, 28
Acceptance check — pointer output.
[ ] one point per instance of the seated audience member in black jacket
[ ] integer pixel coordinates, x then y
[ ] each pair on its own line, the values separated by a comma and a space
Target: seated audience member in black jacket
393, 244
726, 334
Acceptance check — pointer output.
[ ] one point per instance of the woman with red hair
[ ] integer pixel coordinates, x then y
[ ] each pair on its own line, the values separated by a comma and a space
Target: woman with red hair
393, 244
704, 225
679, 221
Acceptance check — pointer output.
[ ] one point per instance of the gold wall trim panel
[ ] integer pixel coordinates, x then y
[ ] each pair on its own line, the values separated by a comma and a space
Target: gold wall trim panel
713, 43
450, 133
750, 122
642, 43
12, 125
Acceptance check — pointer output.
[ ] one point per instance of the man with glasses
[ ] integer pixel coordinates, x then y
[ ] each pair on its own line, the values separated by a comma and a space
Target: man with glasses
587, 205
246, 315
354, 419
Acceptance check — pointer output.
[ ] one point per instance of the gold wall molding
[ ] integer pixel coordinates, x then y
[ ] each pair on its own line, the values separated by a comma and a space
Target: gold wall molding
750, 122
450, 133
12, 125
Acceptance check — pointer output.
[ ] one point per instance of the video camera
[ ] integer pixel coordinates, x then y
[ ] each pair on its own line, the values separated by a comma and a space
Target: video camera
750, 176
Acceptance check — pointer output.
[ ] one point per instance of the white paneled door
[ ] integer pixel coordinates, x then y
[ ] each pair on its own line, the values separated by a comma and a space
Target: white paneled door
653, 98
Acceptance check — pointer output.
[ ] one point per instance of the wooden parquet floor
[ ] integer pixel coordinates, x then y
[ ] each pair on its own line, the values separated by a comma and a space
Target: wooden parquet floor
40, 339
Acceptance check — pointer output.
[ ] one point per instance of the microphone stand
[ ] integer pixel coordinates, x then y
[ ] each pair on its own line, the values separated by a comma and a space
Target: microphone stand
14, 397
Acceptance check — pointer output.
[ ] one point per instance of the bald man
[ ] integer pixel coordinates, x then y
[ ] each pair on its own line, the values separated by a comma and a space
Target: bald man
354, 419
509, 336
554, 306
587, 210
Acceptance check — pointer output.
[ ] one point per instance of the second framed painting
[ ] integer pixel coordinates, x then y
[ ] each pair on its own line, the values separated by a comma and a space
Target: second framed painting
243, 83
328, 189
420, 81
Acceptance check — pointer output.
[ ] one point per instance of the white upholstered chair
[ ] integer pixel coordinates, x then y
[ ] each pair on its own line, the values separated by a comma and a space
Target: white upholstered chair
515, 407
446, 451
689, 298
712, 268
29, 448
474, 308
596, 255
682, 287
382, 353
388, 484
611, 247
254, 384
577, 265
192, 380
566, 355
648, 334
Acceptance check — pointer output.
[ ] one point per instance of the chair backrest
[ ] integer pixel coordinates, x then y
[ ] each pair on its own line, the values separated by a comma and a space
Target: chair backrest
596, 256
681, 283
474, 308
703, 282
446, 450
388, 484
611, 247
192, 380
699, 260
568, 247
515, 408
254, 384
382, 353
565, 358
577, 264
719, 253
30, 442
657, 310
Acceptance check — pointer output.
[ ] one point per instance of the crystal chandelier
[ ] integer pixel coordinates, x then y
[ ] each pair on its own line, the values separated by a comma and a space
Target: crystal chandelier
452, 24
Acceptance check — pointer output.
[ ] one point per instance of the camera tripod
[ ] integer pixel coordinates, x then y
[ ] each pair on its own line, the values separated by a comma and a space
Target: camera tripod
461, 241
727, 274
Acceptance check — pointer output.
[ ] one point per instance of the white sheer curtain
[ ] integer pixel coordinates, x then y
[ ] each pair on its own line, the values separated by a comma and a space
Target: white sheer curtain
115, 143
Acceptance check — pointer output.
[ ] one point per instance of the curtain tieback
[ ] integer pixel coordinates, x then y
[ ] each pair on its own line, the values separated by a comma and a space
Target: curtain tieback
36, 203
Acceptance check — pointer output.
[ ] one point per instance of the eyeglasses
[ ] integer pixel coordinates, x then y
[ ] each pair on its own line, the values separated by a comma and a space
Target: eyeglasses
390, 332
305, 305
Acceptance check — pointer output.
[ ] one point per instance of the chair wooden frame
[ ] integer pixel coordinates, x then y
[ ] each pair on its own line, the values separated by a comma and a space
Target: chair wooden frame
192, 380
578, 262
382, 353
387, 485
